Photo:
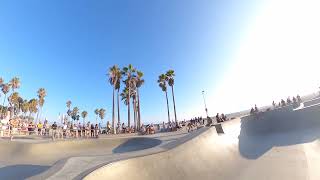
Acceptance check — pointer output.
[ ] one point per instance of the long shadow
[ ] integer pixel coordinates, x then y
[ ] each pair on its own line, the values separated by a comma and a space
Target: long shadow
280, 127
137, 144
17, 172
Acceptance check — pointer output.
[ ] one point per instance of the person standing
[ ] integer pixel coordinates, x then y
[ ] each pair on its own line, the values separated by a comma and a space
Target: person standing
40, 127
54, 130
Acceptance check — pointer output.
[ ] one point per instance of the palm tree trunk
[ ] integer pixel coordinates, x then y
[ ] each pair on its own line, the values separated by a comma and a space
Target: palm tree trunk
139, 115
113, 120
29, 115
134, 114
129, 107
37, 116
174, 106
40, 112
4, 100
168, 106
118, 107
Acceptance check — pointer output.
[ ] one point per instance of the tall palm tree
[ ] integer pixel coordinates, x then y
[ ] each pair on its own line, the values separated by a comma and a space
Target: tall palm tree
5, 88
113, 79
118, 85
133, 95
140, 82
25, 107
75, 115
128, 72
84, 115
1, 83
33, 107
96, 111
69, 103
102, 114
41, 95
163, 85
14, 102
15, 83
170, 79
125, 98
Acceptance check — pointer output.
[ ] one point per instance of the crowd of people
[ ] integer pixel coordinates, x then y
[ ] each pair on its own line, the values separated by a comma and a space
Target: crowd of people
65, 130
295, 101
75, 129
254, 110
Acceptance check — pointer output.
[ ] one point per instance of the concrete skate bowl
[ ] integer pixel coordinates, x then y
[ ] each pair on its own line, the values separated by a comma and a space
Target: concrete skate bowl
280, 144
36, 158
280, 127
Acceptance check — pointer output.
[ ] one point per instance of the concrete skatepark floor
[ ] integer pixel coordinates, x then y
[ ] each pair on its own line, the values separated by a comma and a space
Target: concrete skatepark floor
278, 144
37, 158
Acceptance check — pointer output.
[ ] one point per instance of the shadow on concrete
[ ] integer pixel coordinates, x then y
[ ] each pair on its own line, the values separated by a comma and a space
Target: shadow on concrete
280, 127
17, 172
137, 144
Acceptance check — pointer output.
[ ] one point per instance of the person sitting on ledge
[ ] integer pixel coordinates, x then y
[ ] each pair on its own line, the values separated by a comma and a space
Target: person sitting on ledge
294, 100
256, 110
299, 99
252, 111
288, 100
218, 118
223, 117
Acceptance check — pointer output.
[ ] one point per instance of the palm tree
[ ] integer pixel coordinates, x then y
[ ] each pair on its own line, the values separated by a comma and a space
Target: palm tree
96, 111
113, 79
140, 82
133, 95
118, 84
1, 83
163, 85
33, 107
68, 103
102, 114
13, 101
84, 114
41, 95
5, 88
74, 114
125, 98
170, 79
128, 72
25, 107
15, 83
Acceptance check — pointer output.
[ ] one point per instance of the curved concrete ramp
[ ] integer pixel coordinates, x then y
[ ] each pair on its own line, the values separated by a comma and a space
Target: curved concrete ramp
281, 144
23, 159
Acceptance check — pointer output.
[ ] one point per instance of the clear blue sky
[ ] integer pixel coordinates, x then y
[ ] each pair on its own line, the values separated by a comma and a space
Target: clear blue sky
68, 46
